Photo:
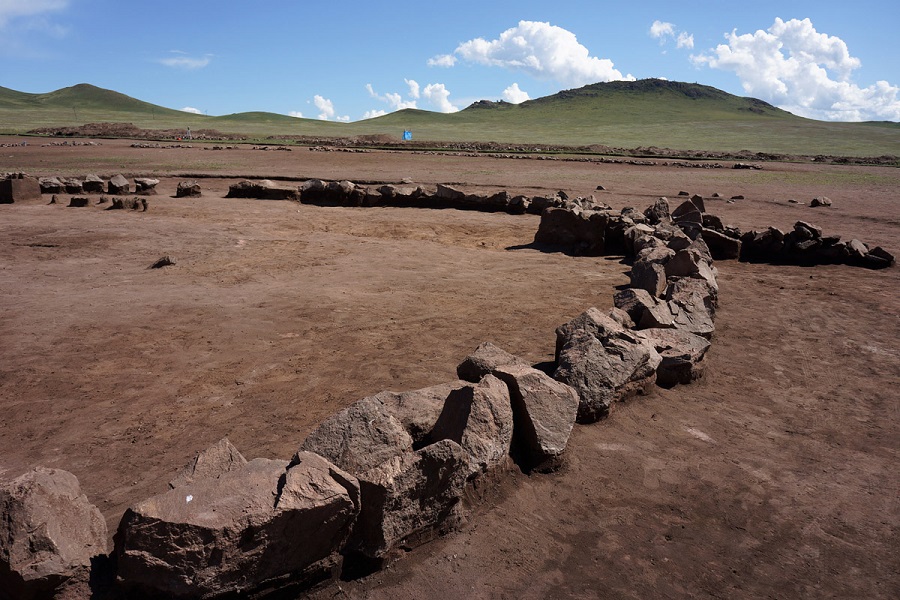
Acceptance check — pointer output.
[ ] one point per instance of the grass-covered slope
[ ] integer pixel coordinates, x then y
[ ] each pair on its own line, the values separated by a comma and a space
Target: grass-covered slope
635, 114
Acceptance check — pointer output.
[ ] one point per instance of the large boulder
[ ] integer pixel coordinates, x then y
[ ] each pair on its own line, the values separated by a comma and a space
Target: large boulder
18, 187
264, 524
721, 246
188, 189
544, 412
48, 533
92, 184
51, 185
360, 437
407, 495
766, 245
603, 362
146, 186
649, 270
480, 419
263, 189
643, 309
691, 314
486, 358
574, 231
409, 498
118, 186
682, 354
658, 212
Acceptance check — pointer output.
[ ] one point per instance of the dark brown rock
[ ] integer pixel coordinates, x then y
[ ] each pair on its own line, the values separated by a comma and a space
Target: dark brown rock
188, 189
19, 189
118, 186
544, 412
682, 355
603, 362
264, 523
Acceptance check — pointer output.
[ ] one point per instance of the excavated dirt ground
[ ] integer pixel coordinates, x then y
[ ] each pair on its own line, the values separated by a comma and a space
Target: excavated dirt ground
774, 476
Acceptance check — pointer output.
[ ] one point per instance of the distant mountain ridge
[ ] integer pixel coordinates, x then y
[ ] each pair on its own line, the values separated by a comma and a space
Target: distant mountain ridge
624, 114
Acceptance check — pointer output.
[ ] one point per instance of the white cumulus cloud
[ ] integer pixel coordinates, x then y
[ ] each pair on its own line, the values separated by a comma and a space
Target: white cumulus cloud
660, 30
685, 40
394, 100
803, 71
413, 87
11, 9
543, 51
439, 97
663, 31
442, 60
325, 106
295, 113
515, 95
371, 114
191, 109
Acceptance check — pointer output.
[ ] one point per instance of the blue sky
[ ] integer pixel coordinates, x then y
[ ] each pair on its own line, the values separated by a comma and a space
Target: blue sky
346, 60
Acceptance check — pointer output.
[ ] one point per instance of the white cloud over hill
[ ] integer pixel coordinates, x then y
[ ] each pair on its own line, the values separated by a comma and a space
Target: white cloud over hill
803, 71
539, 49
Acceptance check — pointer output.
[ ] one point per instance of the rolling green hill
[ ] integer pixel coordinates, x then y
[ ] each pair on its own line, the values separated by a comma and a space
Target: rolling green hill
624, 114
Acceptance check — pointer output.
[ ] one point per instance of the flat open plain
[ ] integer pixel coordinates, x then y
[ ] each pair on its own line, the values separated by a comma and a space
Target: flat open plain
773, 476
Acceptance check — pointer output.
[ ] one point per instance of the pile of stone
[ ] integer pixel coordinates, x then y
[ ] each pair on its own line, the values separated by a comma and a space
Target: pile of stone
806, 244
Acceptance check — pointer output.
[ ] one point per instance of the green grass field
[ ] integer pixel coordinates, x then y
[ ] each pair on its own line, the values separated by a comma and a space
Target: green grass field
618, 114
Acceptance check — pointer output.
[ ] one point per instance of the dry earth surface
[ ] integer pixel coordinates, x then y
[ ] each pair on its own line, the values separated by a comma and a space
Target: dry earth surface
774, 476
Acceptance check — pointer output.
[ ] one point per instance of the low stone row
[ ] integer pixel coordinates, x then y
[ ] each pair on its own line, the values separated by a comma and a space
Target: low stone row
347, 193
92, 184
383, 475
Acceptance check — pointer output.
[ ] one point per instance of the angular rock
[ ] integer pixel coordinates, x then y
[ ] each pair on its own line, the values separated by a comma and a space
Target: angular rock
633, 234
408, 499
658, 212
360, 437
118, 186
682, 354
19, 188
188, 189
762, 245
820, 201
603, 362
808, 231
682, 288
220, 458
721, 246
857, 249
688, 217
264, 524
486, 358
713, 222
544, 412
697, 200
92, 185
73, 186
480, 419
692, 315
263, 189
51, 185
644, 309
649, 270
48, 532
882, 254
580, 233
145, 186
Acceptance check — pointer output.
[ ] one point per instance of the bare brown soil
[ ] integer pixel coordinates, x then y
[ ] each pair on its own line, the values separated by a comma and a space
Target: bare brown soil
774, 476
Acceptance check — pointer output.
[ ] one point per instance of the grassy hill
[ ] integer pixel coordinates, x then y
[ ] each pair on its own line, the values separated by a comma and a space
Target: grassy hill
623, 114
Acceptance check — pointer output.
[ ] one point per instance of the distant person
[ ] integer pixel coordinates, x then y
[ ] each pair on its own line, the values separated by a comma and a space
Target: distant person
189, 134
